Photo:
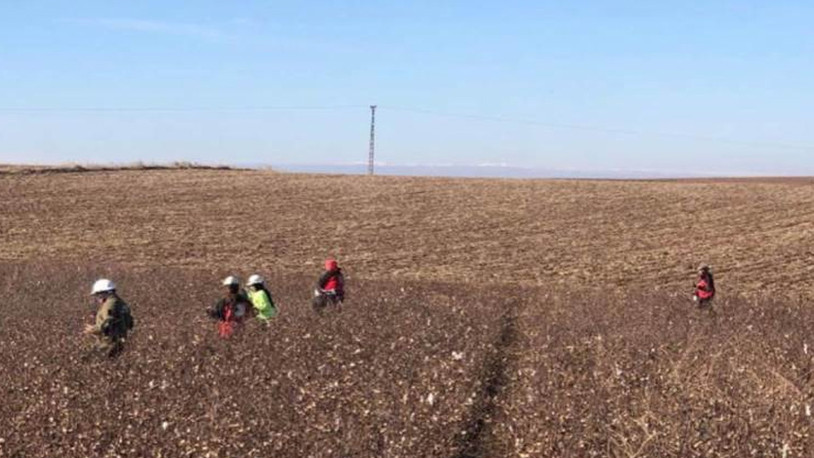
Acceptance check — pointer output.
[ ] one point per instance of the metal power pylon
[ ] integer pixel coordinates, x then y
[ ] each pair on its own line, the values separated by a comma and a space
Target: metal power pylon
372, 139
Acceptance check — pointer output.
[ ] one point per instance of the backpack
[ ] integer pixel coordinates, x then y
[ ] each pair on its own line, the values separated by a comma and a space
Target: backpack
711, 282
125, 317
120, 321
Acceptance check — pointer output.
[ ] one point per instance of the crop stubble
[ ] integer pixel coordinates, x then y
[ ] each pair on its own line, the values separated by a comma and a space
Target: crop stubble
615, 364
589, 233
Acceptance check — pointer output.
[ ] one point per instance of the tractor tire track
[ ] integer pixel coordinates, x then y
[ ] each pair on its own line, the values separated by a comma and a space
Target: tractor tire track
478, 439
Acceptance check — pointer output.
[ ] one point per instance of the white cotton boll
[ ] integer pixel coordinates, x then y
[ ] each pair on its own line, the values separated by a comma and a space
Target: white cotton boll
165, 425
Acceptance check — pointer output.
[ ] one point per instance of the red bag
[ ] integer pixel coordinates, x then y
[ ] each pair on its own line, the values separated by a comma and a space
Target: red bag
226, 327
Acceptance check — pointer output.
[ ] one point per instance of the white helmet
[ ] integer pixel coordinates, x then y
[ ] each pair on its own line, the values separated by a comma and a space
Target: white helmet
255, 280
102, 285
230, 280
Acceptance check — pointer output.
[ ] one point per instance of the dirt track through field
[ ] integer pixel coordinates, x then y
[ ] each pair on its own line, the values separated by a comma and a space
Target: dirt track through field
478, 438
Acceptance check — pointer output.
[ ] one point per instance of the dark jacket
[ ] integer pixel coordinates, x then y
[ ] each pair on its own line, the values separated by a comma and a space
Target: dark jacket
231, 307
332, 280
110, 319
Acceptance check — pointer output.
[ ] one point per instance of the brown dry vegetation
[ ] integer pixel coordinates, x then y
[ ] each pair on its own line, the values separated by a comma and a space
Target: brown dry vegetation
544, 318
379, 380
15, 169
592, 233
646, 375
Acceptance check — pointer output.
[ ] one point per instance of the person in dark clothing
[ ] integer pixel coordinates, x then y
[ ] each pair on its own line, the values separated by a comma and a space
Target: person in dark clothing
330, 287
231, 309
704, 286
112, 321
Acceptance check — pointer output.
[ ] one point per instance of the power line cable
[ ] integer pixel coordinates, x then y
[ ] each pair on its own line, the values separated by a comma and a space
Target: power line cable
176, 109
606, 130
488, 118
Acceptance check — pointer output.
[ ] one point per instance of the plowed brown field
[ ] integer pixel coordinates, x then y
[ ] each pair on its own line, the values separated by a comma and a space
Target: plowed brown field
759, 235
485, 317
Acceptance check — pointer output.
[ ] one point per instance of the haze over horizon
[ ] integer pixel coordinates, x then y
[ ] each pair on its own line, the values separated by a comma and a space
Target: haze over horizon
704, 89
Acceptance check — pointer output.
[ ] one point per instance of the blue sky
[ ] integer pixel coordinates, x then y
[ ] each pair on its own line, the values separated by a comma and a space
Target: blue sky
718, 86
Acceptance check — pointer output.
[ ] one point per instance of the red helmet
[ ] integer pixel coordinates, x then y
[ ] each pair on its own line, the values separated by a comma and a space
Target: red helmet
330, 264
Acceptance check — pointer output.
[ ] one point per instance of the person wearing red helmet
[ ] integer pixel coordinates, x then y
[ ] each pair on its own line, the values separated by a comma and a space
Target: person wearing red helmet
330, 287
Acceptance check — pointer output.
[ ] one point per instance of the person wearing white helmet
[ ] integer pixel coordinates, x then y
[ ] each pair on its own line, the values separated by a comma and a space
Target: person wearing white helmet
231, 309
260, 297
113, 319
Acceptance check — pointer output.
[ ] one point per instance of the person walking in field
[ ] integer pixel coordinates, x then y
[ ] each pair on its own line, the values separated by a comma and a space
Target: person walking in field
113, 319
260, 297
704, 286
330, 287
231, 309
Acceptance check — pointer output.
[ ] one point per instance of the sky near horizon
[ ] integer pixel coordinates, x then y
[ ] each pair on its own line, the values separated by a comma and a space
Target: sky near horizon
719, 87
